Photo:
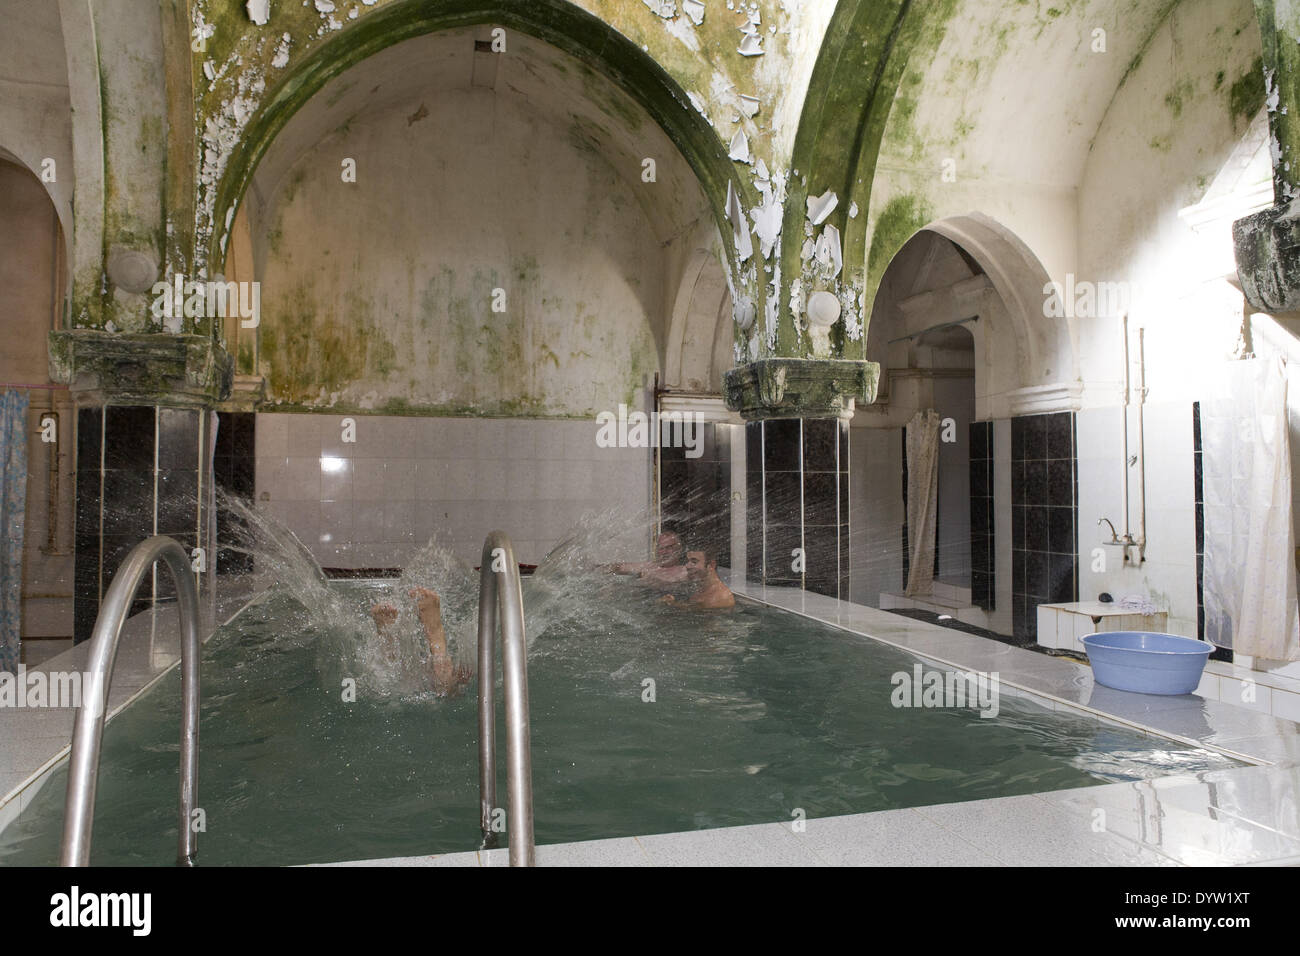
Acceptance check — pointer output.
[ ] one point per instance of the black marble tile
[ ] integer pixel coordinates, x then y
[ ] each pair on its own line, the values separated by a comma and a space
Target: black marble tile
1063, 578
89, 432
753, 447
1060, 435
782, 541
979, 441
1036, 438
979, 479
129, 436
1038, 568
1017, 439
674, 483
1018, 527
979, 519
178, 438
820, 444
1060, 530
1020, 571
821, 553
1060, 482
782, 493
1036, 530
1196, 427
1036, 482
844, 440
177, 501
128, 502
821, 498
243, 477
781, 444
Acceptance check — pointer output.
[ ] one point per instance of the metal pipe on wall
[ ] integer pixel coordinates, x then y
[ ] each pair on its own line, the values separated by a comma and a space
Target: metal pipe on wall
1142, 458
1123, 324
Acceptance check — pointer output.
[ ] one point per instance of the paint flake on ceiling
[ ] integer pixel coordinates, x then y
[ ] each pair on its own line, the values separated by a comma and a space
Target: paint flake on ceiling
259, 11
819, 207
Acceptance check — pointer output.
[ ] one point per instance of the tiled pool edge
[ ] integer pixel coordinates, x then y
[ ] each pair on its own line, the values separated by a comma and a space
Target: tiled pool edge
136, 630
1249, 729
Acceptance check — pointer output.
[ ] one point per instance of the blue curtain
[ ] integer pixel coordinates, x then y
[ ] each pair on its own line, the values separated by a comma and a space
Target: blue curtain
13, 508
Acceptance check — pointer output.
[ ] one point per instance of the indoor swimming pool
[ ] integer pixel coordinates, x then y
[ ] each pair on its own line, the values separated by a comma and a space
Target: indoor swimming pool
644, 720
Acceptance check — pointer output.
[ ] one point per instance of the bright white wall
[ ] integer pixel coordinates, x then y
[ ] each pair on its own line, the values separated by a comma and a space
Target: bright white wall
406, 479
1168, 576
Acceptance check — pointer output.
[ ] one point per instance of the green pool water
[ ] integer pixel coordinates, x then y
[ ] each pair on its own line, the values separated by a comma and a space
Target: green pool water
757, 715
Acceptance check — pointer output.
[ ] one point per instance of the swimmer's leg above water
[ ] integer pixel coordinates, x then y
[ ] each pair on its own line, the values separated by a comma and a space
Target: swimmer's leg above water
447, 677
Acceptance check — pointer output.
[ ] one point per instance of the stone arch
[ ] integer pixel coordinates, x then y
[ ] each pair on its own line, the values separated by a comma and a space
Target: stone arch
699, 335
556, 22
1024, 361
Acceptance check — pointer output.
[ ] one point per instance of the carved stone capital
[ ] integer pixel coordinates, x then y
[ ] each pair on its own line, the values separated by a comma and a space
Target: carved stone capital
1267, 246
800, 388
140, 368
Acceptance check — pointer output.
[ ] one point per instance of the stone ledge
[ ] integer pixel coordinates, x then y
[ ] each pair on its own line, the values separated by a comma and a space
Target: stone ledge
800, 388
140, 369
1267, 248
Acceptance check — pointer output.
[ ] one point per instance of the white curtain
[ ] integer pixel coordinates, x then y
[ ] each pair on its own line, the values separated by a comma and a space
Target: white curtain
922, 499
1250, 576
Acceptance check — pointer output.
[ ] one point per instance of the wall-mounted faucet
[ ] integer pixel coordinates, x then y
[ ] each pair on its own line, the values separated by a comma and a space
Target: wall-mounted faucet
1114, 538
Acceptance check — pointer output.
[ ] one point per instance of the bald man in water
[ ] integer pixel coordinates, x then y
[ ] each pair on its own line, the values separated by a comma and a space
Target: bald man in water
447, 677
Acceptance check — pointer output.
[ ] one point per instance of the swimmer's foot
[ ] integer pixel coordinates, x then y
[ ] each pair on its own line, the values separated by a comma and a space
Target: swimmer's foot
384, 616
427, 603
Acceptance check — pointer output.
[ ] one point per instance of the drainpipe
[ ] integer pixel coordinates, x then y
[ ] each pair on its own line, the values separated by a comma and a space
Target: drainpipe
1128, 538
1142, 457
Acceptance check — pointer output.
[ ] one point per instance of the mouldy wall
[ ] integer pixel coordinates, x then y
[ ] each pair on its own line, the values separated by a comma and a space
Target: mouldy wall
378, 294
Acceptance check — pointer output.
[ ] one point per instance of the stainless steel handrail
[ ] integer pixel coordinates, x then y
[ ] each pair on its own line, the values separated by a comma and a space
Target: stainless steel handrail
83, 765
500, 590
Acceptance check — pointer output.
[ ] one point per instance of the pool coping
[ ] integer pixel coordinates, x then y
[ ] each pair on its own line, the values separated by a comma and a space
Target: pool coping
34, 741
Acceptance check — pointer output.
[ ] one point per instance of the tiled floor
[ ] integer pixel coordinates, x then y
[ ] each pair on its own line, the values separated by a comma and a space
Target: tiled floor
34, 741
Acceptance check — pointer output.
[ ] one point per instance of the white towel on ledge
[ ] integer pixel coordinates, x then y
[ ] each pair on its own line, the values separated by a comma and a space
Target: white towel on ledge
1137, 603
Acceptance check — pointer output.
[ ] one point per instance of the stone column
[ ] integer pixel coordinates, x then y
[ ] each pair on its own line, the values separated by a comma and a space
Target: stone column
797, 414
145, 434
1268, 242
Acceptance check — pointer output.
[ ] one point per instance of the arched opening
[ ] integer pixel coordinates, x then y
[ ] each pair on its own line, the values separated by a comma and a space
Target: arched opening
37, 423
444, 237
958, 330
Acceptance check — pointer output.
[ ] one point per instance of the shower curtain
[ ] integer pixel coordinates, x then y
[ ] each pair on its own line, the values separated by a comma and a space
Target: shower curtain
13, 509
1249, 571
922, 499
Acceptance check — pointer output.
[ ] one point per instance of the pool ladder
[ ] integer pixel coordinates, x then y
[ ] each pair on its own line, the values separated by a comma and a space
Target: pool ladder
501, 595
87, 735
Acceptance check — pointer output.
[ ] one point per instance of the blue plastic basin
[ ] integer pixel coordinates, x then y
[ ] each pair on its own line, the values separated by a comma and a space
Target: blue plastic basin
1147, 662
